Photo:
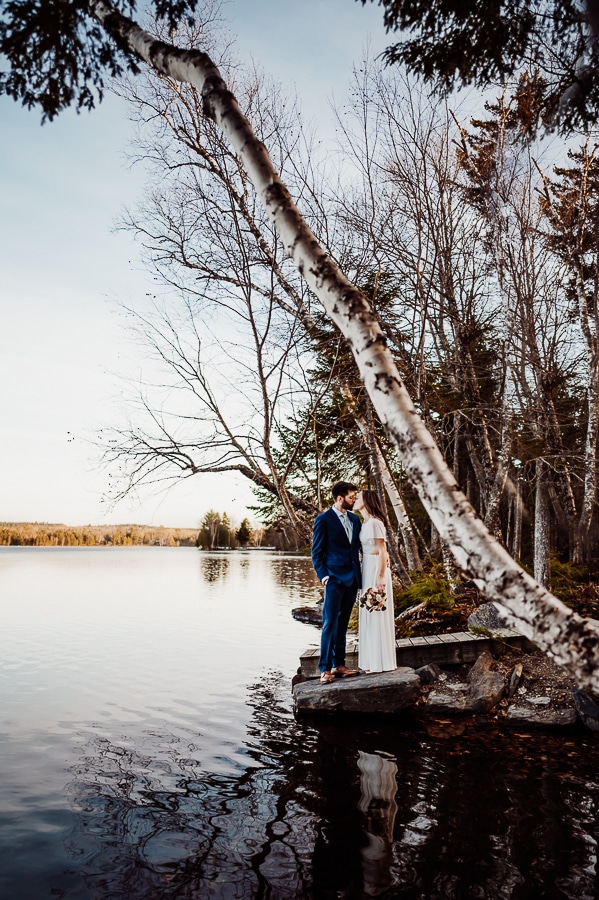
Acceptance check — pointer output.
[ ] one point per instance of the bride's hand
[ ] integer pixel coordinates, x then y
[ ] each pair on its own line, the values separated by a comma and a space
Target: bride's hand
381, 584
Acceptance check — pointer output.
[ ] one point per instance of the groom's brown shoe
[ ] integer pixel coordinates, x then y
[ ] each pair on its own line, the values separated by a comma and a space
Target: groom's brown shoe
344, 672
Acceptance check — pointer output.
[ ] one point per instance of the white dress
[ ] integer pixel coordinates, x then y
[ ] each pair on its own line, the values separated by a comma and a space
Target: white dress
376, 634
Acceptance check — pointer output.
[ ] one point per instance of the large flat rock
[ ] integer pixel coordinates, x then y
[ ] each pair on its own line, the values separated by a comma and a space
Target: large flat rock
383, 693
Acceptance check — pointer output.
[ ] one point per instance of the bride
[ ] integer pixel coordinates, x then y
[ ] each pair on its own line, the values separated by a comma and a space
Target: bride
376, 645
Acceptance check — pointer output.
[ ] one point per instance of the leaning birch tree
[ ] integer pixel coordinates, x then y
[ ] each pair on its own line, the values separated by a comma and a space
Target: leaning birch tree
569, 639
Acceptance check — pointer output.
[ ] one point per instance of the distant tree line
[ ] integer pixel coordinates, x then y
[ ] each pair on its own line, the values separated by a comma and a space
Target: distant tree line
42, 534
216, 532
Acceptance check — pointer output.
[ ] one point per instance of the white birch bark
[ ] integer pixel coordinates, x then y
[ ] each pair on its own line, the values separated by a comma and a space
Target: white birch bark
516, 544
392, 491
541, 532
590, 454
590, 329
405, 526
370, 440
449, 568
588, 320
503, 463
570, 640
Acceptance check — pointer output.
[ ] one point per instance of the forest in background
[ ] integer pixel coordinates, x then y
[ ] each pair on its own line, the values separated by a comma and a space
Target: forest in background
476, 245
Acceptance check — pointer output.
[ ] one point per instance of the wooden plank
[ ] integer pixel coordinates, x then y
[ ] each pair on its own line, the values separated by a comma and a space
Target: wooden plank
442, 649
403, 642
309, 661
412, 656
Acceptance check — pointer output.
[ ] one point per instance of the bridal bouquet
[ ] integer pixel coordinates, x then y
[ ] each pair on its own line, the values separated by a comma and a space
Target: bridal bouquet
373, 600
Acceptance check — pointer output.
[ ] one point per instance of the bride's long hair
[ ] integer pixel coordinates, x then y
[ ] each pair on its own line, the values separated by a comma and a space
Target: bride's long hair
375, 508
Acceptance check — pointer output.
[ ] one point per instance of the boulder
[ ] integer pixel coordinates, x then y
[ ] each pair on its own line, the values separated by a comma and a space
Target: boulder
486, 685
311, 615
540, 717
429, 673
298, 678
587, 708
484, 691
487, 616
440, 703
383, 693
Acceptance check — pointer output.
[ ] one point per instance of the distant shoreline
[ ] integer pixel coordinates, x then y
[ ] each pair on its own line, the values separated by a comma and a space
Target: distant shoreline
44, 534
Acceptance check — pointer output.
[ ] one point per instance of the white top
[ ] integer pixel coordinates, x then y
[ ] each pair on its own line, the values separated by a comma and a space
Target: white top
371, 531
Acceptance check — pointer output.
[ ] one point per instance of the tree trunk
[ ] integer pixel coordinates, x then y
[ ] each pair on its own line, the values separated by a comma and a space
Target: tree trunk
590, 462
449, 567
570, 640
376, 459
435, 549
403, 520
541, 534
390, 487
516, 543
504, 456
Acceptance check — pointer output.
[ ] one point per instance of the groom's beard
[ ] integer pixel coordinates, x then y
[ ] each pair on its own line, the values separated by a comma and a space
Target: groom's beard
348, 504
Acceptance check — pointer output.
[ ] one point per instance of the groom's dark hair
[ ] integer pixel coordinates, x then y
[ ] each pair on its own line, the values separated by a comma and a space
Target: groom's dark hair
342, 489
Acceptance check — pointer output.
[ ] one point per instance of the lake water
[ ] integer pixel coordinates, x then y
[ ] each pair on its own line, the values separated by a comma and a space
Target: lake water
148, 750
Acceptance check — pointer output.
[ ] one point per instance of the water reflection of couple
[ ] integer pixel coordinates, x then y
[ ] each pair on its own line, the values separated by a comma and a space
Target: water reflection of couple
339, 537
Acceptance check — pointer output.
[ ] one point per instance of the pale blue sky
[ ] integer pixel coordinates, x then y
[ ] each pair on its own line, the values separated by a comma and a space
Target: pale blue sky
62, 188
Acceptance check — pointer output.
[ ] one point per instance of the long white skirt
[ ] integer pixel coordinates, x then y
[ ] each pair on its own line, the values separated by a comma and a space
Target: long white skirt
376, 630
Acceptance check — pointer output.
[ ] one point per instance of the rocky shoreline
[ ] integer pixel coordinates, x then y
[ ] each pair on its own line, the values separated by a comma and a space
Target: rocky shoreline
519, 688
526, 690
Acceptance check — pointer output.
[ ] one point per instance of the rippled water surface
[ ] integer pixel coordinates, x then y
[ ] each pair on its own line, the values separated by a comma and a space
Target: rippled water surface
148, 750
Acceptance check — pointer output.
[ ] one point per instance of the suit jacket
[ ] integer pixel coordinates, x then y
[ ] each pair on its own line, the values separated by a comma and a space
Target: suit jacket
332, 553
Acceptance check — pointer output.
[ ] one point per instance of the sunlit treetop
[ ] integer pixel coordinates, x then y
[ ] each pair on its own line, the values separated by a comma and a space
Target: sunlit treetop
54, 54
453, 43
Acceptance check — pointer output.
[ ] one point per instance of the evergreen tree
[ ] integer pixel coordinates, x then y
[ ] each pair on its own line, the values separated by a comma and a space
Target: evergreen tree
475, 42
244, 533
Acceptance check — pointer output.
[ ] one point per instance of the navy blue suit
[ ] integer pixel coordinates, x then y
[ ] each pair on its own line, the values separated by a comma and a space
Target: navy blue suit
333, 555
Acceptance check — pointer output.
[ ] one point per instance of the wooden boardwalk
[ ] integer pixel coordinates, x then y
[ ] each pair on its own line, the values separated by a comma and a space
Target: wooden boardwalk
442, 649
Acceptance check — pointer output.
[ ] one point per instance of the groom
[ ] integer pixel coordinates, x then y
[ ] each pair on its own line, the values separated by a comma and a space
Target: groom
336, 561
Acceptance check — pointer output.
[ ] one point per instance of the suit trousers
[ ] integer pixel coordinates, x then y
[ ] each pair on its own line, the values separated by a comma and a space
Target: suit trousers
338, 603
